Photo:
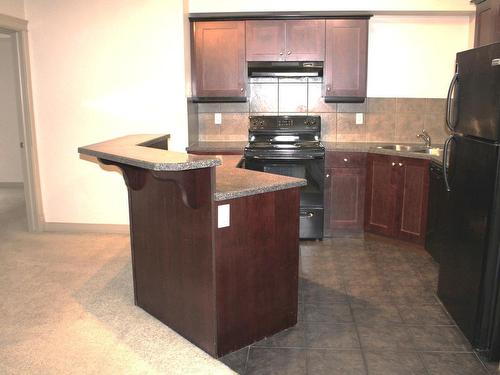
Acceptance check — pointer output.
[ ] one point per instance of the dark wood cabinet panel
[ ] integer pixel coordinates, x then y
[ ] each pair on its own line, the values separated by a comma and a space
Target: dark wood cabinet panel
265, 40
347, 199
397, 192
305, 40
380, 213
487, 23
256, 275
413, 198
344, 192
218, 61
279, 40
346, 59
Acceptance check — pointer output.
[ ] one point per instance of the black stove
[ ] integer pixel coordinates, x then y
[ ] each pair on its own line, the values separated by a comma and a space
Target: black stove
291, 146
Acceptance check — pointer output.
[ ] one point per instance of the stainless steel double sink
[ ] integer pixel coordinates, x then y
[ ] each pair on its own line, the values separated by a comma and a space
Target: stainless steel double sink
414, 148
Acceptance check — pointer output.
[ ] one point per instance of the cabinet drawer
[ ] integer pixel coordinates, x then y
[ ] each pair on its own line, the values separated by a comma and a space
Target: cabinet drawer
339, 159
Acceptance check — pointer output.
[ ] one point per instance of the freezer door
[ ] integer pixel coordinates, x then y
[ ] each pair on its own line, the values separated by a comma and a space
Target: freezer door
478, 93
472, 175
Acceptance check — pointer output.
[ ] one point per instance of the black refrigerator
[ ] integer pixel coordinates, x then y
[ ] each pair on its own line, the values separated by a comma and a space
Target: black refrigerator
469, 275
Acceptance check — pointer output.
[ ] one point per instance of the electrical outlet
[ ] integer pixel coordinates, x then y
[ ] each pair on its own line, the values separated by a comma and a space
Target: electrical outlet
223, 215
218, 118
359, 119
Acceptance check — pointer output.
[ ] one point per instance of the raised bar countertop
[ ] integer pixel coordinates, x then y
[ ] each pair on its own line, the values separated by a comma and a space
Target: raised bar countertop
149, 151
372, 147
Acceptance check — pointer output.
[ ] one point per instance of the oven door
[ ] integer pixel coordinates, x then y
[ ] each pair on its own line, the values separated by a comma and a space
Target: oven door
310, 169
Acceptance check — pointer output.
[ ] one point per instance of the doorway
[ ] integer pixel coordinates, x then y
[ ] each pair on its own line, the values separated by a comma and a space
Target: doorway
19, 165
12, 202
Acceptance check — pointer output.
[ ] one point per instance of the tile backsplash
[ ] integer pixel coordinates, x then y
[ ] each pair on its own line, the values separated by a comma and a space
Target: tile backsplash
384, 119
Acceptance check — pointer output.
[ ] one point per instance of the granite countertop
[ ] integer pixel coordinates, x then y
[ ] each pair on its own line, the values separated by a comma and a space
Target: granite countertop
145, 151
376, 148
232, 182
237, 147
150, 152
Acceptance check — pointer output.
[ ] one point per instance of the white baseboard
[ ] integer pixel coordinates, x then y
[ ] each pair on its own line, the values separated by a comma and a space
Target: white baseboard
11, 185
86, 228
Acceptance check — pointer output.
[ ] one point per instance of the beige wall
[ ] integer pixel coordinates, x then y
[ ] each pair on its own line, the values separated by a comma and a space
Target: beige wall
10, 155
101, 69
200, 6
14, 8
414, 56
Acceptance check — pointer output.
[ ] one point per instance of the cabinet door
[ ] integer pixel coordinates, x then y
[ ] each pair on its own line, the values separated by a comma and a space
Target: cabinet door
413, 193
265, 40
487, 23
380, 198
219, 65
346, 59
305, 40
347, 199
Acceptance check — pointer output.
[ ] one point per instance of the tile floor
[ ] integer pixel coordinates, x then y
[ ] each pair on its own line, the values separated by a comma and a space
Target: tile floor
366, 306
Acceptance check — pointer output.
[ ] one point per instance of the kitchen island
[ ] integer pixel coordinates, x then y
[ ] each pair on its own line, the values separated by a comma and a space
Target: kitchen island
215, 248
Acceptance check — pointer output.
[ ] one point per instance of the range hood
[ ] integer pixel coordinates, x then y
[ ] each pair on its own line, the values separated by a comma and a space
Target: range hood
285, 69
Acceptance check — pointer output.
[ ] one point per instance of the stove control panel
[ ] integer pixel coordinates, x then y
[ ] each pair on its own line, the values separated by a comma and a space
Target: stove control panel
286, 123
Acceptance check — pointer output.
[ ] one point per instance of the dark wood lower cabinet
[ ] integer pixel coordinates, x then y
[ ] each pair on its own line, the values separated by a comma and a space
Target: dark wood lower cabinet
397, 190
413, 197
344, 192
380, 207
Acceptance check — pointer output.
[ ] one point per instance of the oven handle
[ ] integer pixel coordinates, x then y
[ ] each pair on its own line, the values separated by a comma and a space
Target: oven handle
311, 157
307, 214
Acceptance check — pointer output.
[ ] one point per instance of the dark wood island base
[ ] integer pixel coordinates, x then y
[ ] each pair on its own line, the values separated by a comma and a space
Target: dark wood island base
221, 288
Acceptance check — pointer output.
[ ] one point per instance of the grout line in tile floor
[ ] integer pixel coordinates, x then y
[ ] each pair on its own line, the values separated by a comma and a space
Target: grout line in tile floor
365, 363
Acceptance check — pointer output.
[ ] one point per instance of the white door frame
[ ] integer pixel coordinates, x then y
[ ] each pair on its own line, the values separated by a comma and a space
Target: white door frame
18, 28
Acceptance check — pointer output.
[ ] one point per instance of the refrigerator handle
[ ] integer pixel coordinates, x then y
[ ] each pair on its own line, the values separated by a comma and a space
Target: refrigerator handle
449, 108
445, 162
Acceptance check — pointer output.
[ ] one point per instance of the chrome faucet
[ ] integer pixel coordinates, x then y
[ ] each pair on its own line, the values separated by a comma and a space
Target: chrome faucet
425, 137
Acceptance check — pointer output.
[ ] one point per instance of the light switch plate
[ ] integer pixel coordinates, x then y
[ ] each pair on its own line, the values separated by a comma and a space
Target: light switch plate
223, 214
359, 119
218, 118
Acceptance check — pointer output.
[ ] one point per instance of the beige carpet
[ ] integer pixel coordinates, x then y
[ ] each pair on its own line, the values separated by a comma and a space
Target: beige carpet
66, 307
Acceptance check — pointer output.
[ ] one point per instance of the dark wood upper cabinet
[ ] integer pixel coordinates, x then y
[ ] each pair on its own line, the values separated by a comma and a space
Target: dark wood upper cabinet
344, 192
291, 40
218, 61
397, 192
305, 40
487, 22
265, 40
346, 60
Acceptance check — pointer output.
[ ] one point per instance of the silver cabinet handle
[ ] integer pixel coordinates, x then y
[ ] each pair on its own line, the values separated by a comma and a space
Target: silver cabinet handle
393, 164
327, 175
281, 53
307, 214
327, 88
495, 62
400, 164
346, 160
289, 53
242, 89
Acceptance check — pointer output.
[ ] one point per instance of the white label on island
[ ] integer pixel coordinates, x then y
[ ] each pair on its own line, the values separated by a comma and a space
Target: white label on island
223, 213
